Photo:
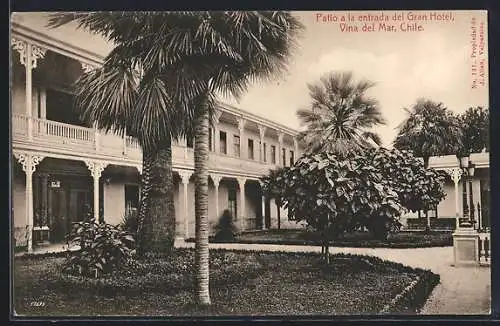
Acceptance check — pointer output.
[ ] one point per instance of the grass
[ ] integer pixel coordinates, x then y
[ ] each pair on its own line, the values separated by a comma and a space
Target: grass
242, 283
402, 239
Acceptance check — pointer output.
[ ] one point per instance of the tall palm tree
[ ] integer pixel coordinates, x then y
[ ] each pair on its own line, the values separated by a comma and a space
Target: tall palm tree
430, 129
340, 116
198, 55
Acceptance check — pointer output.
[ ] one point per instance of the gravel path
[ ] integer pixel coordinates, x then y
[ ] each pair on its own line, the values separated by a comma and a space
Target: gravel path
464, 290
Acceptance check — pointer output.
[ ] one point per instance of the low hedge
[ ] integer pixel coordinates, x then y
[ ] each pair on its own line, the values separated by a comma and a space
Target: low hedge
417, 240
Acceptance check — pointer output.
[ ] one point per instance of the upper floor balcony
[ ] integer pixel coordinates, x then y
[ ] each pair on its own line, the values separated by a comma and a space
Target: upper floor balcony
55, 137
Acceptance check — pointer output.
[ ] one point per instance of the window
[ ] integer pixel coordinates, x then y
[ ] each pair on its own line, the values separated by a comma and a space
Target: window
236, 144
292, 159
273, 154
231, 202
264, 152
250, 149
210, 139
223, 142
131, 198
284, 156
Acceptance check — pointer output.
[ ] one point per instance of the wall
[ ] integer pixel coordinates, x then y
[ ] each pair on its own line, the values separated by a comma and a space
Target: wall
114, 202
19, 208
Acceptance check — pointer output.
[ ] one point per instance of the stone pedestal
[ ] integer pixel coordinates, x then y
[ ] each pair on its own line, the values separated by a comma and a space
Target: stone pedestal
465, 246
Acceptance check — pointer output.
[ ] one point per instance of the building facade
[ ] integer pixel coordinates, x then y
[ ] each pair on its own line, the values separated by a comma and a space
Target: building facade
63, 169
469, 194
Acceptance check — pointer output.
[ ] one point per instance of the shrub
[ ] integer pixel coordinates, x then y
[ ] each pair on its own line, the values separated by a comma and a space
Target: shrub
130, 223
225, 230
102, 248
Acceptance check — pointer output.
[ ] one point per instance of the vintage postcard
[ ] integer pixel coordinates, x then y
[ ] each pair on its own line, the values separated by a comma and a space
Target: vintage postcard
263, 164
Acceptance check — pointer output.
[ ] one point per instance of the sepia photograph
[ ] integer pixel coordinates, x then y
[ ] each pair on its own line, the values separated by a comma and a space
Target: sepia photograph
184, 164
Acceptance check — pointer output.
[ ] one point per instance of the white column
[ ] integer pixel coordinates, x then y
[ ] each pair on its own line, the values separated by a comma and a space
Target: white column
185, 175
295, 149
280, 149
184, 143
216, 138
262, 133
241, 128
263, 213
28, 55
96, 169
455, 174
125, 142
29, 163
242, 211
216, 179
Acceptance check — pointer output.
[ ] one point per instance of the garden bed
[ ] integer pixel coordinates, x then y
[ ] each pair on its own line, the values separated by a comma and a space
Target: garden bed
402, 239
242, 283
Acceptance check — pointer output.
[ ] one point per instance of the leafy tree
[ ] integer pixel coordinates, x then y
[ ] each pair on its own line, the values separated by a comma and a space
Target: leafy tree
340, 116
334, 194
475, 126
429, 130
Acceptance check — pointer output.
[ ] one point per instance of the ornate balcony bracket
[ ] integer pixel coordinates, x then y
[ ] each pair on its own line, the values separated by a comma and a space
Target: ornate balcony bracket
455, 174
28, 161
96, 168
25, 49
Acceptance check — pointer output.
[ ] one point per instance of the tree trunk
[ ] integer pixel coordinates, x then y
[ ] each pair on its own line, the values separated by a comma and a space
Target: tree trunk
147, 163
201, 205
157, 211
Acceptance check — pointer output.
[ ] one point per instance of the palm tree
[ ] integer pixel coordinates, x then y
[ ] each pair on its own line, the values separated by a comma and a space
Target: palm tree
429, 130
340, 116
197, 55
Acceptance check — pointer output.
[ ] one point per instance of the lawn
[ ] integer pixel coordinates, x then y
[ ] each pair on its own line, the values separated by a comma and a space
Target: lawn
242, 283
402, 239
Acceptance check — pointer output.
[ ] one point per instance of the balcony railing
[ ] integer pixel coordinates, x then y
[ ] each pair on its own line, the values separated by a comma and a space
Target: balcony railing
57, 135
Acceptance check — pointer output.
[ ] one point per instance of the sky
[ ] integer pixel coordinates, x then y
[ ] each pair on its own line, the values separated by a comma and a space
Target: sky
435, 63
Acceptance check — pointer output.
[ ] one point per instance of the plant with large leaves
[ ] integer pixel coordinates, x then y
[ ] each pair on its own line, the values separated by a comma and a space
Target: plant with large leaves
340, 117
418, 188
337, 193
198, 55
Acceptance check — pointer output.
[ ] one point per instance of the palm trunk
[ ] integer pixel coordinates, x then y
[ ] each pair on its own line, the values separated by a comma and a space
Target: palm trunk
147, 164
201, 206
157, 211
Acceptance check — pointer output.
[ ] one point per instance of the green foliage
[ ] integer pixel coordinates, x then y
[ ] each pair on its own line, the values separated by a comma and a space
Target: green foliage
103, 247
335, 193
429, 130
476, 127
130, 222
340, 116
418, 188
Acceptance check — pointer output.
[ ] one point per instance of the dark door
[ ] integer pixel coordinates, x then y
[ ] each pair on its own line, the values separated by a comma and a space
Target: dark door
58, 214
267, 214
